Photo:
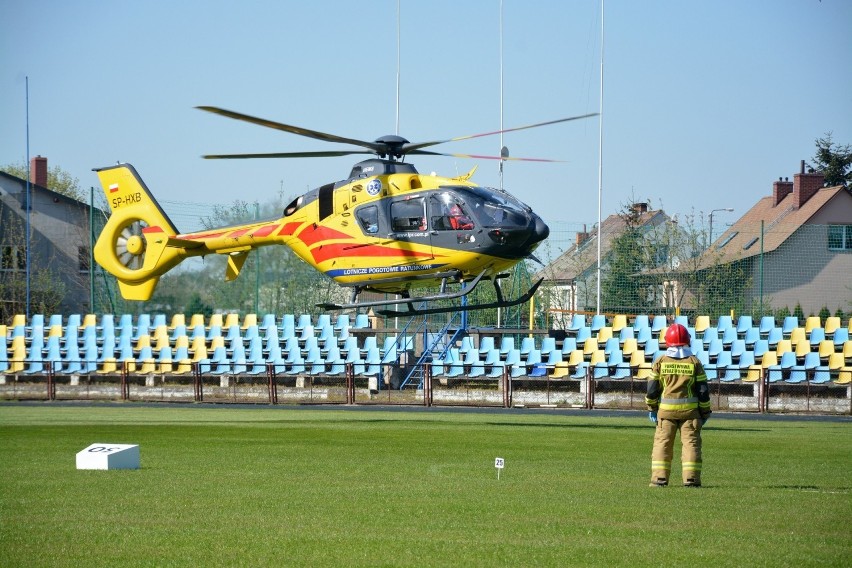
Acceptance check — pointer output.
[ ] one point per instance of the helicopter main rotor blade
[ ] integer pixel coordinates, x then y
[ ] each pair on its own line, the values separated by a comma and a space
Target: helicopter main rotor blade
408, 148
289, 128
479, 157
318, 154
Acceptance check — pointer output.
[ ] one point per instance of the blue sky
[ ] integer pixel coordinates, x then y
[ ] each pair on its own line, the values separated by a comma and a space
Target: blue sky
705, 103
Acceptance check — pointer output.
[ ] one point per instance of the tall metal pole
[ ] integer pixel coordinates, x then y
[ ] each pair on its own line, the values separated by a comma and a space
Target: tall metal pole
91, 251
600, 164
501, 95
397, 64
29, 205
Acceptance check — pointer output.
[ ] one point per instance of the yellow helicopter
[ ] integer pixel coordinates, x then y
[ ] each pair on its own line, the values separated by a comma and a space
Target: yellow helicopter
385, 228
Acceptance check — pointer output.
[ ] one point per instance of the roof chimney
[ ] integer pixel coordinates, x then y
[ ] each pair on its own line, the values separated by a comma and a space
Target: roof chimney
639, 208
806, 185
780, 190
38, 171
582, 236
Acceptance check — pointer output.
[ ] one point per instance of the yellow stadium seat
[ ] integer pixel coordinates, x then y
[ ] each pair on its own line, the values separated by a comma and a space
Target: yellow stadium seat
19, 319
231, 319
575, 358
55, 331
215, 320
847, 350
802, 349
826, 349
148, 366
836, 362
753, 373
811, 323
19, 354
618, 321
166, 367
832, 324
604, 334
844, 377
249, 320
769, 358
590, 346
701, 323
560, 370
108, 366
641, 368
182, 341
798, 335
89, 320
783, 346
195, 320
629, 346
598, 357
177, 320
143, 341
217, 341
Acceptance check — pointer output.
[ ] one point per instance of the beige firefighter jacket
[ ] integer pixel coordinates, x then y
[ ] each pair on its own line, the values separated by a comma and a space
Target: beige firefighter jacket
677, 388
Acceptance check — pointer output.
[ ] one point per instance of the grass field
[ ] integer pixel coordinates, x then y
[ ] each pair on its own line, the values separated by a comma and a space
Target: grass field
337, 487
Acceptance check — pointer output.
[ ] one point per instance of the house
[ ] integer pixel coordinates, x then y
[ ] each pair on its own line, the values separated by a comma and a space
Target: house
571, 278
793, 247
60, 245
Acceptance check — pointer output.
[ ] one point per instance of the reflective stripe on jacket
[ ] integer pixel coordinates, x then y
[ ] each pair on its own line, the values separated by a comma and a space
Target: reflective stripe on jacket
677, 388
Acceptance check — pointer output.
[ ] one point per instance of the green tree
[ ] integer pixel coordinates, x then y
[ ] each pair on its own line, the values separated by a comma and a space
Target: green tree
58, 180
833, 160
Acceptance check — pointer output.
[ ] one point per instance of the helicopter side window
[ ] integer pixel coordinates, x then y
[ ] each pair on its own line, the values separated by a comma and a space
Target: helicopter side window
368, 217
294, 206
449, 215
408, 215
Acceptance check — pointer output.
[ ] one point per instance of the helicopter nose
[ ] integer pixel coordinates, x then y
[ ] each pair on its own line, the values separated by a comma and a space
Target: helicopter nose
542, 231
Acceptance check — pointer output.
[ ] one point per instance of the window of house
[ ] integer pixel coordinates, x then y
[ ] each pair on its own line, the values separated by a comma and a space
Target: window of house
13, 258
83, 259
749, 244
727, 239
408, 215
840, 237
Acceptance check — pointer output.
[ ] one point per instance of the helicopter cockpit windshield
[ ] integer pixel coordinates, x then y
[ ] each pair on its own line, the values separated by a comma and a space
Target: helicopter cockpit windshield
494, 208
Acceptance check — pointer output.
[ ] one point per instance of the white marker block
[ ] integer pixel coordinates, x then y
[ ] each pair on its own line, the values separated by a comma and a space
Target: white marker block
109, 456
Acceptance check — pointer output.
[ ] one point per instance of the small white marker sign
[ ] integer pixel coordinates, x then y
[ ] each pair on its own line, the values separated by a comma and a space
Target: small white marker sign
499, 463
109, 456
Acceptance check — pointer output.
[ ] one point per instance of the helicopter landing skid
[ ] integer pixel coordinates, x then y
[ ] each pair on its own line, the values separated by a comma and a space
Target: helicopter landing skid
500, 303
407, 300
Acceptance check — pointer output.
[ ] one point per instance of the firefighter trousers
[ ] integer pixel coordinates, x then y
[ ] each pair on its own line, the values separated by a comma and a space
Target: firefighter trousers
690, 458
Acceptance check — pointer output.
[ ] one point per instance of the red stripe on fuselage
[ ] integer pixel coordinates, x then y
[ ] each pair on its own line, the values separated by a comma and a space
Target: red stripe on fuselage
264, 231
312, 234
289, 228
343, 250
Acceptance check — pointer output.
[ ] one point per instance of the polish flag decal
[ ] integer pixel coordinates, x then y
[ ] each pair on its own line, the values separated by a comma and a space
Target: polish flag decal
113, 188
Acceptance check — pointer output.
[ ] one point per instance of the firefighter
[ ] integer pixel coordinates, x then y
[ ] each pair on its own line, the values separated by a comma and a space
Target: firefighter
678, 400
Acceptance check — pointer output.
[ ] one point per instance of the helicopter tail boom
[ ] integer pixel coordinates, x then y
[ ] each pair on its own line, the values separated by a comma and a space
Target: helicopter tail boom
138, 244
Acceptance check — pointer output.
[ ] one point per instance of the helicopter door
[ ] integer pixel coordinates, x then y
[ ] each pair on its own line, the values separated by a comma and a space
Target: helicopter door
326, 201
409, 223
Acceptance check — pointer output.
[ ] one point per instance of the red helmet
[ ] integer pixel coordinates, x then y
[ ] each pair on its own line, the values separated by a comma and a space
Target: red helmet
677, 336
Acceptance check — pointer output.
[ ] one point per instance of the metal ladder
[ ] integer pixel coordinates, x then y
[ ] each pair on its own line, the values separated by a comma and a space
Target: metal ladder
435, 346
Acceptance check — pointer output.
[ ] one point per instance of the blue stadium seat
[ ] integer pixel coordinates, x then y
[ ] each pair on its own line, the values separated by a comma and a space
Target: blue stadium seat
336, 364
577, 321
534, 364
238, 357
840, 336
454, 365
254, 358
725, 322
803, 372
373, 361
486, 345
790, 323
744, 323
644, 335
787, 362
493, 364
527, 345
507, 344
752, 335
598, 321
658, 324
641, 322
513, 362
817, 335
761, 346
362, 321
738, 347
569, 344
729, 335
548, 344
766, 323
353, 356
